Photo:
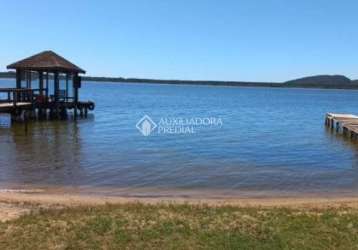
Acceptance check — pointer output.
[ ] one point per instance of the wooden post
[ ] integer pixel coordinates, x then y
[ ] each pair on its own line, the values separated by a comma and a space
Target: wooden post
41, 87
18, 79
15, 96
25, 121
46, 85
41, 82
57, 86
75, 89
67, 77
57, 91
26, 76
28, 79
18, 84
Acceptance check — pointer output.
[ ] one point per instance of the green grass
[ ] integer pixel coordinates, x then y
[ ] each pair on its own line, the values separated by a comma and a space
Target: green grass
138, 226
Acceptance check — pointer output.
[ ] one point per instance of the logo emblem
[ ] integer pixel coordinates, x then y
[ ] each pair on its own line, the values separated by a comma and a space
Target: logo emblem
146, 125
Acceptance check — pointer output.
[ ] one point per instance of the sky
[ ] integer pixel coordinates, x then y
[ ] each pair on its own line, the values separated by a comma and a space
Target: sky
239, 40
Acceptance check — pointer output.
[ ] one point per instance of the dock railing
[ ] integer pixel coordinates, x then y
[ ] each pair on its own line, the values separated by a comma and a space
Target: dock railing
15, 95
17, 100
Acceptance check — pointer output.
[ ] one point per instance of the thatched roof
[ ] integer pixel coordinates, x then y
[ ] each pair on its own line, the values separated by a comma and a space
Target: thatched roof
46, 61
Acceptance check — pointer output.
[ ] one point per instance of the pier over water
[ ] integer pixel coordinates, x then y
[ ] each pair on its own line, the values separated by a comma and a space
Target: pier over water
347, 124
25, 101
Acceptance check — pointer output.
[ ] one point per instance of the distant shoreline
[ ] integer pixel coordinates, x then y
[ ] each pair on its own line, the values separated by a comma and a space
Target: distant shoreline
315, 82
352, 86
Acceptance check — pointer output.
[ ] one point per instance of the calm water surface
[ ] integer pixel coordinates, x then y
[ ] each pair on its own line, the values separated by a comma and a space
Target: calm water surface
271, 141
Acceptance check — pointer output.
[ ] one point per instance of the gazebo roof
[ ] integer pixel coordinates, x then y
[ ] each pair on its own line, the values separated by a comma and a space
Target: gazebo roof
46, 61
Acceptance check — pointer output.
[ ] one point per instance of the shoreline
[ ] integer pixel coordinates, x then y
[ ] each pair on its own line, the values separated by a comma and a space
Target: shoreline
279, 85
16, 203
88, 200
171, 193
70, 221
67, 199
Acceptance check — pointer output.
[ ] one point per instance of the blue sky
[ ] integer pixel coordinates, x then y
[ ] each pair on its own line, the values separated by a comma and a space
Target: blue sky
267, 40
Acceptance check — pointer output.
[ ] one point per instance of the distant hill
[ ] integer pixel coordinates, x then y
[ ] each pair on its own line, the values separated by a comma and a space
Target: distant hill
320, 81
323, 81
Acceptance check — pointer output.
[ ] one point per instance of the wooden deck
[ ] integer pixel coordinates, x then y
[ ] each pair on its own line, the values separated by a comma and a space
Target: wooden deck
10, 104
9, 107
27, 103
347, 124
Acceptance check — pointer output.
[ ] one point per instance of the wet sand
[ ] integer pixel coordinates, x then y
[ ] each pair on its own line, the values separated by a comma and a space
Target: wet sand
14, 203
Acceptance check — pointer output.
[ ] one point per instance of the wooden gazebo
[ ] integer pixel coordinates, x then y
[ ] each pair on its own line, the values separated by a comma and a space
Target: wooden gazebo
48, 67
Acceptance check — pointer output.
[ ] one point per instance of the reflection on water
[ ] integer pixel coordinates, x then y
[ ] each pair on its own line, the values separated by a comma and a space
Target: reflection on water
272, 140
48, 152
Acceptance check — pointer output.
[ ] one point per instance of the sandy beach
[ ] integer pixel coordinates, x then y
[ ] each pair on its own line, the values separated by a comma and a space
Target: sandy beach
14, 203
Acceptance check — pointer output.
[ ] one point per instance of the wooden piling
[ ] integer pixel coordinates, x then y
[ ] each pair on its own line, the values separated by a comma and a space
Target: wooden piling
345, 123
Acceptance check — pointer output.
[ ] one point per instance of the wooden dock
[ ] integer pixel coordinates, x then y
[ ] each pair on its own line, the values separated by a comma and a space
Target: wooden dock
23, 102
10, 105
347, 124
18, 102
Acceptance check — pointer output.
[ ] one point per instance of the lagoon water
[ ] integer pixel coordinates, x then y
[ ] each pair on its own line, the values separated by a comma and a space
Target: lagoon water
271, 141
